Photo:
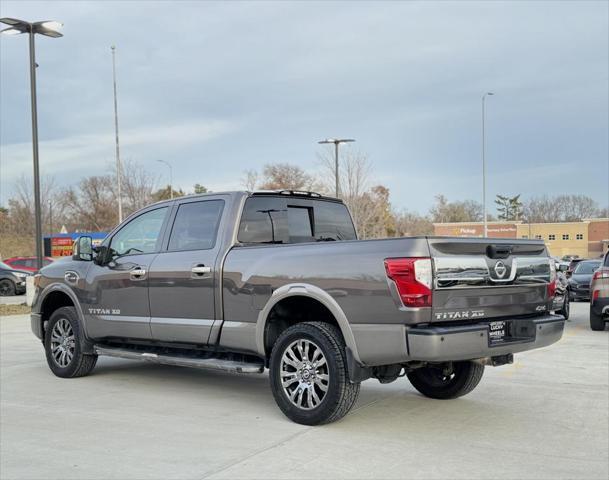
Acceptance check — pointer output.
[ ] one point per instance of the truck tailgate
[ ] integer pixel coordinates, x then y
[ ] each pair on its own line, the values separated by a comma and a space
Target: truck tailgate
477, 279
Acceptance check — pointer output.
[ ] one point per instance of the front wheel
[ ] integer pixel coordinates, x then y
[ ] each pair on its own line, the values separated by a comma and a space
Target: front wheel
7, 288
308, 373
63, 348
447, 381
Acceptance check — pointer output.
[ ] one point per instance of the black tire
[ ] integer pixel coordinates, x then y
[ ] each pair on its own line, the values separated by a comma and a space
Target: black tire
7, 288
566, 307
596, 322
340, 393
79, 364
433, 382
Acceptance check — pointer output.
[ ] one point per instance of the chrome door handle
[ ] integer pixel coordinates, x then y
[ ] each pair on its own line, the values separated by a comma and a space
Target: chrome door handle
137, 273
200, 270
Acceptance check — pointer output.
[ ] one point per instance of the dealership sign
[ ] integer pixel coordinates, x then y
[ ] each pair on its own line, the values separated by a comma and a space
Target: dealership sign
61, 245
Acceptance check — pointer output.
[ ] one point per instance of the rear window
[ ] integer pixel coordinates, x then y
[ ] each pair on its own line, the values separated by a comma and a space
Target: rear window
584, 268
294, 220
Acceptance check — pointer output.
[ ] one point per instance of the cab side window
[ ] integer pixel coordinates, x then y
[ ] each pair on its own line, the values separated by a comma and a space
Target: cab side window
264, 220
140, 235
196, 225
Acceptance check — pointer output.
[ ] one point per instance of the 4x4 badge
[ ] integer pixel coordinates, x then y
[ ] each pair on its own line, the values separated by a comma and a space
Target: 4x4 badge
500, 269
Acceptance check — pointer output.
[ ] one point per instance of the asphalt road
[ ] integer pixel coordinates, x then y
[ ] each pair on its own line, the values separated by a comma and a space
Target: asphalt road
545, 416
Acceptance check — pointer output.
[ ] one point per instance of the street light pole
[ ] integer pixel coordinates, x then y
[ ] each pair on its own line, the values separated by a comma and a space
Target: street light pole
37, 213
49, 29
336, 142
118, 156
170, 177
484, 165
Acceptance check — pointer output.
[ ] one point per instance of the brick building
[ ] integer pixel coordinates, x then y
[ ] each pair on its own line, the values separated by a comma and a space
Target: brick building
588, 238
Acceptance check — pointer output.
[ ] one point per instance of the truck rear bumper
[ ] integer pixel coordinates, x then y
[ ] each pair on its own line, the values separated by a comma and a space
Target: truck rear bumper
466, 342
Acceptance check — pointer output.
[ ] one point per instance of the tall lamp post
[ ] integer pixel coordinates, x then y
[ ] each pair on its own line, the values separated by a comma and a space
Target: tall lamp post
47, 28
484, 165
118, 156
170, 177
336, 142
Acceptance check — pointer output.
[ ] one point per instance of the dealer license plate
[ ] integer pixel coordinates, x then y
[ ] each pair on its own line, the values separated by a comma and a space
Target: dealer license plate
497, 332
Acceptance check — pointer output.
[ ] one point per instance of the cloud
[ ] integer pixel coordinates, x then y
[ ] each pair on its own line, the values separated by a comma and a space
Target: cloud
88, 153
218, 88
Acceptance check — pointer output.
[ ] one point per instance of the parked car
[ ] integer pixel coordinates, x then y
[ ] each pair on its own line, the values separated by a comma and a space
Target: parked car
12, 282
27, 264
579, 281
562, 301
572, 264
243, 281
599, 300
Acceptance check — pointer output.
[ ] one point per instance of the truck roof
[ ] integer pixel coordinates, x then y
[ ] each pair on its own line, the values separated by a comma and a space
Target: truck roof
288, 193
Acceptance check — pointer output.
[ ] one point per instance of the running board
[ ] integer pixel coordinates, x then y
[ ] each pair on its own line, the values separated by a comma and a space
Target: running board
231, 366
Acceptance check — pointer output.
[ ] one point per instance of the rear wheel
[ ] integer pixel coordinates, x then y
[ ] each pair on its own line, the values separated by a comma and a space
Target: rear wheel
446, 382
596, 322
63, 348
308, 372
7, 288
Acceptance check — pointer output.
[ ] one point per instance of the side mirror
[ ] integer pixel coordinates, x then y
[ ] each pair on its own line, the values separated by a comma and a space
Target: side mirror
103, 255
564, 268
83, 249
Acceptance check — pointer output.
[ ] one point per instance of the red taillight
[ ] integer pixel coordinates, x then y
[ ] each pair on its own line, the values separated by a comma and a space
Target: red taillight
413, 279
595, 295
553, 279
602, 273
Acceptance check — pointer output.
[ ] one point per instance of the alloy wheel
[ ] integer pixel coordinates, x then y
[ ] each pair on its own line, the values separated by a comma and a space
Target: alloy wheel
304, 374
63, 343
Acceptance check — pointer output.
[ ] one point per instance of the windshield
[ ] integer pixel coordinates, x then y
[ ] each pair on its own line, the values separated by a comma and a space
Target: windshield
587, 268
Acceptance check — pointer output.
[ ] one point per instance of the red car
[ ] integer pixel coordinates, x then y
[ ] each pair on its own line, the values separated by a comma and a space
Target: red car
27, 264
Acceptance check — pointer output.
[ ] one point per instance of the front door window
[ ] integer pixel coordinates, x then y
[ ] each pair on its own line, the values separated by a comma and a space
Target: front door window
140, 235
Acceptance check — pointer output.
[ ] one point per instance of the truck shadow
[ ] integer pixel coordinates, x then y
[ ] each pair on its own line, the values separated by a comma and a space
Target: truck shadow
394, 406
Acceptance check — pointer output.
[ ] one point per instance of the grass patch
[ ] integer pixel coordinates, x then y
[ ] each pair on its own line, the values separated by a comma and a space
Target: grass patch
14, 310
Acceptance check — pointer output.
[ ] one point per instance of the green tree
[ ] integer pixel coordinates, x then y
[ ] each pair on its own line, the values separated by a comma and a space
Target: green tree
509, 208
198, 188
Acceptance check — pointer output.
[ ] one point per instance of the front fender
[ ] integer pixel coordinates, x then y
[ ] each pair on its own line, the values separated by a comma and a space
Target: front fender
316, 293
60, 287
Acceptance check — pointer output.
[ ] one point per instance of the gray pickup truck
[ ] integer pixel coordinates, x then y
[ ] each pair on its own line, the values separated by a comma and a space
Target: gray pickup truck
244, 281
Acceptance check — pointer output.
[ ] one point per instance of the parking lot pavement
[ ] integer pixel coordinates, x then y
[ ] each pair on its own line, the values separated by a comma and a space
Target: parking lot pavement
545, 416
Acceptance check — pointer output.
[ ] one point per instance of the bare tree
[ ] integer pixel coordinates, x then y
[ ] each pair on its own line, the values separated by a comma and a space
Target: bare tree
560, 208
250, 180
21, 211
137, 186
283, 176
460, 211
369, 205
410, 224
92, 204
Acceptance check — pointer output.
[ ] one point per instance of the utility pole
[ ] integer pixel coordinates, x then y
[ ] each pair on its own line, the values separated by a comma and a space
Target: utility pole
336, 142
118, 156
484, 167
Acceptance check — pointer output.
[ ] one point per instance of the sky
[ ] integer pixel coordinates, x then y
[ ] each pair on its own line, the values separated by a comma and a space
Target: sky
217, 88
